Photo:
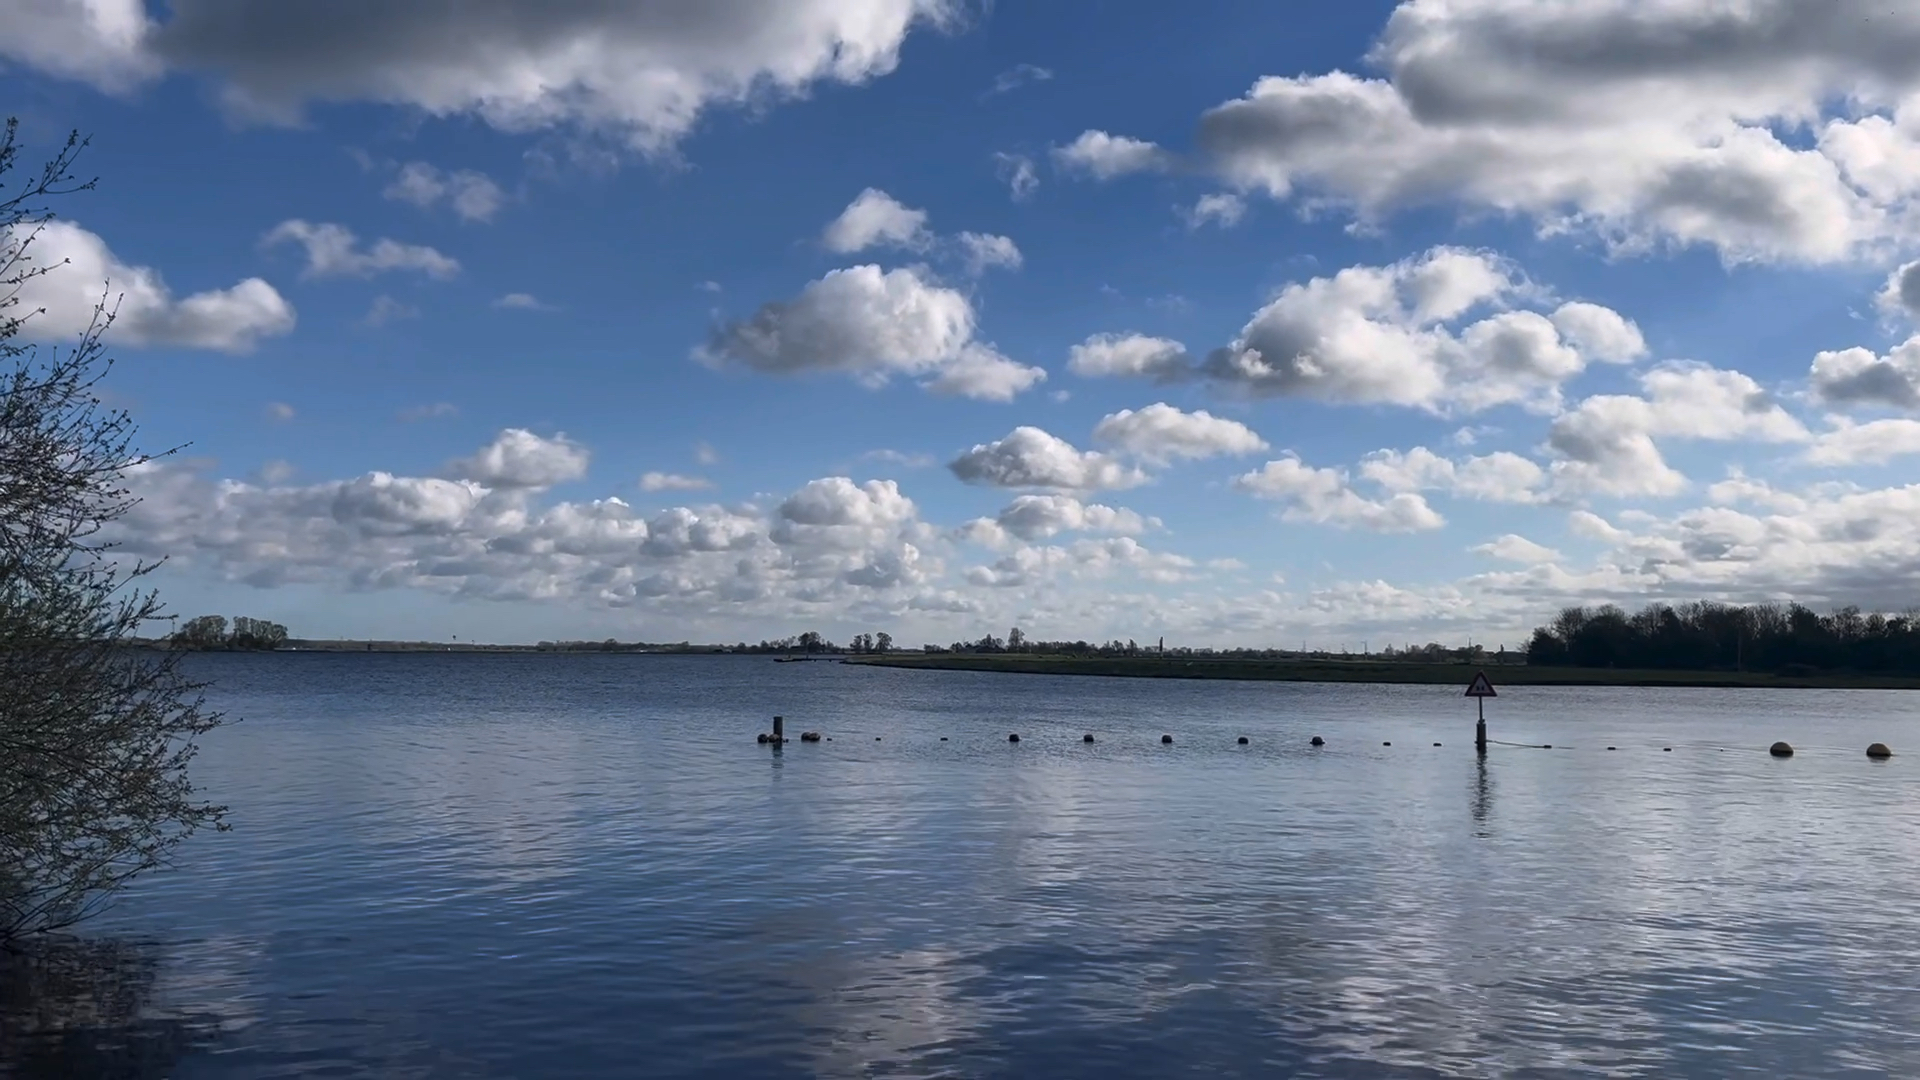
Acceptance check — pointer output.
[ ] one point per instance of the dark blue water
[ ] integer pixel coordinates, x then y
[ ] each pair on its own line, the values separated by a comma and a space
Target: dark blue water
521, 866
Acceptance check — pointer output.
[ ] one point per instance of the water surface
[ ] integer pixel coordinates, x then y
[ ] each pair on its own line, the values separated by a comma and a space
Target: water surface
510, 866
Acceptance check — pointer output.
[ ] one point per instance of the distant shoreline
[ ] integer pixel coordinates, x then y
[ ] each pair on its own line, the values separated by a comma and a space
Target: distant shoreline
1376, 671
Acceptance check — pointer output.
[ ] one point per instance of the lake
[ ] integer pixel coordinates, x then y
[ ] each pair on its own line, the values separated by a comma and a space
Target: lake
448, 865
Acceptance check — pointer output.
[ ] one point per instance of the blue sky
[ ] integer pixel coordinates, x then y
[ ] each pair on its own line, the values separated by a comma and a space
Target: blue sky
1354, 323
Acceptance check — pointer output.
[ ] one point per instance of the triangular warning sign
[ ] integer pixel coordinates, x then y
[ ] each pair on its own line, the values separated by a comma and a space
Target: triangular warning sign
1480, 686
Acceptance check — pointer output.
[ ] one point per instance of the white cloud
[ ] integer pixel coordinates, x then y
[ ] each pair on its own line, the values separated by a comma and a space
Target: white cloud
985, 250
1041, 517
517, 458
1222, 208
279, 410
638, 73
1103, 156
472, 195
1500, 477
101, 42
1766, 130
876, 219
1017, 171
1873, 443
1030, 457
1160, 432
1381, 335
1324, 497
1519, 549
981, 373
874, 325
519, 301
1901, 294
1117, 355
1857, 376
229, 320
1606, 444
662, 481
333, 251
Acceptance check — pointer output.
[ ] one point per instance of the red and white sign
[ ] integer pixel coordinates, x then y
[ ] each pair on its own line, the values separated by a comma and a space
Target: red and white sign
1480, 687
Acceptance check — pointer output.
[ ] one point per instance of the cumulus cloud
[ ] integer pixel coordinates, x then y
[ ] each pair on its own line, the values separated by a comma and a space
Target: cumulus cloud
1771, 130
1123, 355
1103, 156
1857, 376
229, 320
874, 325
1027, 567
643, 74
1606, 444
1499, 477
517, 458
333, 251
1160, 432
663, 481
1030, 457
1519, 549
983, 251
1873, 443
1901, 294
472, 195
386, 309
1395, 335
1041, 517
876, 219
1222, 208
1325, 497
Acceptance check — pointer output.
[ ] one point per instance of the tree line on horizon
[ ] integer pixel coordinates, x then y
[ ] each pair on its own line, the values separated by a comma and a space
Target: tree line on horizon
211, 632
1706, 636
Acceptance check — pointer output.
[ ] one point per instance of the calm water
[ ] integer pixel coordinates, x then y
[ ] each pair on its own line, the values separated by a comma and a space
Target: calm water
453, 866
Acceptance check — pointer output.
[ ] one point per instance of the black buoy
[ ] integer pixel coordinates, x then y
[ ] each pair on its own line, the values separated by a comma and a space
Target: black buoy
1165, 739
1546, 746
1013, 738
1613, 748
1781, 749
1667, 749
1088, 737
1436, 744
876, 738
1243, 740
761, 738
1316, 741
943, 738
1879, 751
1386, 744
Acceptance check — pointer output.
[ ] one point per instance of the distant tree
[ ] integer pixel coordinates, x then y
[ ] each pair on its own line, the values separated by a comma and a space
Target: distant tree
882, 642
810, 641
1015, 639
202, 632
95, 737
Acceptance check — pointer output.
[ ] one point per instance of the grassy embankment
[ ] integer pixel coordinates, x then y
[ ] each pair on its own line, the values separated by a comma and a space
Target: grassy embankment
1372, 671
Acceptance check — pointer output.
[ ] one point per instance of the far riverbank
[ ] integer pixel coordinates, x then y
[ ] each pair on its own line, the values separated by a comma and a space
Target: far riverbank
1375, 671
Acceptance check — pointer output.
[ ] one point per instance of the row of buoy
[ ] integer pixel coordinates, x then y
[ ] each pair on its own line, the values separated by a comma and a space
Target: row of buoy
1782, 749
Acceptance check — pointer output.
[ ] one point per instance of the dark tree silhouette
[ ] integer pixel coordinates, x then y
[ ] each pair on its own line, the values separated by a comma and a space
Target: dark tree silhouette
95, 736
1721, 637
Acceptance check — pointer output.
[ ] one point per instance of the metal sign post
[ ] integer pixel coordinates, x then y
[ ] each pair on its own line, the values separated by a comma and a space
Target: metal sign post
1480, 690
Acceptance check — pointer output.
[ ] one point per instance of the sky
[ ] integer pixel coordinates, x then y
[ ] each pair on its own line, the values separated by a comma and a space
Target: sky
1348, 325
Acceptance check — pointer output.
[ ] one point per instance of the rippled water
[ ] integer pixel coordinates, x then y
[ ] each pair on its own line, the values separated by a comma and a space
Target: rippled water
516, 866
